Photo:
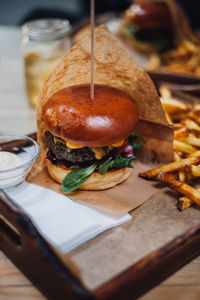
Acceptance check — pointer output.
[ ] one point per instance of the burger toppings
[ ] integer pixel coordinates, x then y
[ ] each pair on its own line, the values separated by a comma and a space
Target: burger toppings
87, 136
83, 161
73, 146
119, 144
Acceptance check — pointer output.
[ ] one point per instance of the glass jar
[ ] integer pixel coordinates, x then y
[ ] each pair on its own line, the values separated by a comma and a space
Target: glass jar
44, 42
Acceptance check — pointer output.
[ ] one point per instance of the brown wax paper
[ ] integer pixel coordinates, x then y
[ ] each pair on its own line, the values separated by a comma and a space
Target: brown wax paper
116, 68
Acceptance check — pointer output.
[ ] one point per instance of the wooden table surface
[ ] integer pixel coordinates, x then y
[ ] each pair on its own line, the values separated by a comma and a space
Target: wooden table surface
16, 116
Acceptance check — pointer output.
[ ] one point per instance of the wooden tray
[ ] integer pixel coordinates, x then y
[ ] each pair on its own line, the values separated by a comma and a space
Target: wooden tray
26, 248
120, 263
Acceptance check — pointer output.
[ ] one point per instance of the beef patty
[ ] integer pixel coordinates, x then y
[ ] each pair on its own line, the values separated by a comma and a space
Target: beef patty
63, 153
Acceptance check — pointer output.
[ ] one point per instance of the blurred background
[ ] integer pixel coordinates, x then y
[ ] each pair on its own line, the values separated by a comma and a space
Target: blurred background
16, 12
159, 36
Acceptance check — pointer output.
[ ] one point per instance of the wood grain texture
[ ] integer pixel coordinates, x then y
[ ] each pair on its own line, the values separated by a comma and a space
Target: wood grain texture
153, 269
19, 293
13, 284
183, 285
154, 224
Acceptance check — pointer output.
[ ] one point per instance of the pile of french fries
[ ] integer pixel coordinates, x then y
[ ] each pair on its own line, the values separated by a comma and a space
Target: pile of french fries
185, 58
179, 175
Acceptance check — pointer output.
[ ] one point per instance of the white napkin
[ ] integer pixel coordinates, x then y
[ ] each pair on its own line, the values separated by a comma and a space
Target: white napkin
63, 222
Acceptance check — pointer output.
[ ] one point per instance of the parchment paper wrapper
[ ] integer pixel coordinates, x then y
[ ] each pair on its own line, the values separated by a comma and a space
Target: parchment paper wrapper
116, 68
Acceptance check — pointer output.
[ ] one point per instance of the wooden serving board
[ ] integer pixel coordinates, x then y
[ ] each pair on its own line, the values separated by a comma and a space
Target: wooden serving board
127, 260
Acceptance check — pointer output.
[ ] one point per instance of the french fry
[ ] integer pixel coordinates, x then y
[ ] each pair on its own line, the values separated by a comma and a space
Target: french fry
186, 190
192, 62
179, 153
179, 67
177, 126
174, 106
165, 92
180, 133
197, 71
169, 119
190, 46
176, 156
181, 174
184, 202
188, 174
186, 124
184, 58
191, 125
171, 167
193, 170
154, 62
194, 117
167, 177
183, 147
178, 117
173, 54
191, 140
196, 109
194, 154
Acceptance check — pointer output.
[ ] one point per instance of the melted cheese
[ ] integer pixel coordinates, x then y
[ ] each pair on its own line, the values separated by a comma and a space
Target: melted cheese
56, 140
118, 144
73, 146
99, 153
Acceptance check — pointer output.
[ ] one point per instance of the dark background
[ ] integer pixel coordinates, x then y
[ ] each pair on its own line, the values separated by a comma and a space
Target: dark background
16, 12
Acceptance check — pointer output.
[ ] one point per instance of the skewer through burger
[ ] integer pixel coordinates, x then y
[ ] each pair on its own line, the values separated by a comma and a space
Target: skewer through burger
89, 141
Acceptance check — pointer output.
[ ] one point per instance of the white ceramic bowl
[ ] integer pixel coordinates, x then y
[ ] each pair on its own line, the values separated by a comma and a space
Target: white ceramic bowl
26, 149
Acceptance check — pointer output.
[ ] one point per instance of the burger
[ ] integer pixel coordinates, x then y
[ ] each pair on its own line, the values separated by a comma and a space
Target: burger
90, 145
148, 26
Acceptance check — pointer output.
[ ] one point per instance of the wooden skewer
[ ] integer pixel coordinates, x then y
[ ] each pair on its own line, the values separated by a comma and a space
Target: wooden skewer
92, 48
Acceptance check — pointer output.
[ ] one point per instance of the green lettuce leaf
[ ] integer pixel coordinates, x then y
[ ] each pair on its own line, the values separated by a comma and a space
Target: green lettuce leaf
135, 141
115, 163
104, 167
77, 177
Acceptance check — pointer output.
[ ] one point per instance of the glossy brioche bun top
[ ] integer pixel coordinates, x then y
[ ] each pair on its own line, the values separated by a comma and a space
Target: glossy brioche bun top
107, 119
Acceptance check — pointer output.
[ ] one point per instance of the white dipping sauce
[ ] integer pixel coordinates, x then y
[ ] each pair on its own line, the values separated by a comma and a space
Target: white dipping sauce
9, 160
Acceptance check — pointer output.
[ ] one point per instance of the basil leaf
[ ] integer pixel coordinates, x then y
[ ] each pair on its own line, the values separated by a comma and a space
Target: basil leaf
115, 163
135, 141
122, 162
136, 146
75, 178
104, 167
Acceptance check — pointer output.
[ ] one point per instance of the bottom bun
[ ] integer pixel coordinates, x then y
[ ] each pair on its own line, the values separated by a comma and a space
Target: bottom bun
96, 181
